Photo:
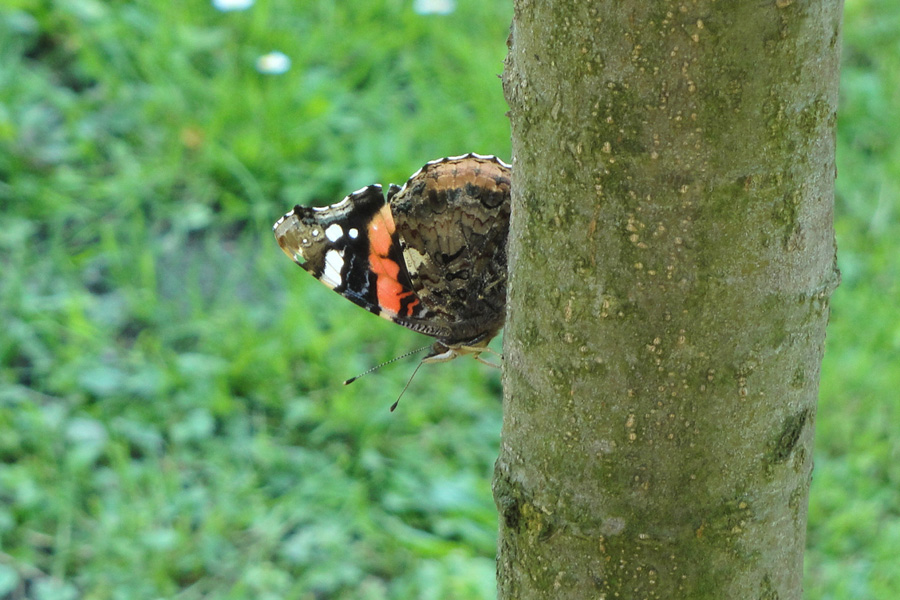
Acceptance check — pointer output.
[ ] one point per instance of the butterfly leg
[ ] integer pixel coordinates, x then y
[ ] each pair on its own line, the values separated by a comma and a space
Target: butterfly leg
488, 363
441, 352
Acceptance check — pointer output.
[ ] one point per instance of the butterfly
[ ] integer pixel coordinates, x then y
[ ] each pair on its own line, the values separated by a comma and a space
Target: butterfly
431, 256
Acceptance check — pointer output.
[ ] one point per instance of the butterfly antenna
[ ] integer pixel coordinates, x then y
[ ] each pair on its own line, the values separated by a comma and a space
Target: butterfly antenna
387, 362
409, 381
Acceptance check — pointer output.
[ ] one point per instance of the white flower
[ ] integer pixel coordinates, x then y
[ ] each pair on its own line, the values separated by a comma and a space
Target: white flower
273, 63
434, 7
228, 5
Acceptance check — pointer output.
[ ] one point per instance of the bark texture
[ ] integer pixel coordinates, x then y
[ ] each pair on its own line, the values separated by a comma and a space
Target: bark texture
671, 262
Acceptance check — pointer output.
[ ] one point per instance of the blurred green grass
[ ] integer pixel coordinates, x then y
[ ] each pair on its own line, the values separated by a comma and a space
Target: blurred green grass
172, 422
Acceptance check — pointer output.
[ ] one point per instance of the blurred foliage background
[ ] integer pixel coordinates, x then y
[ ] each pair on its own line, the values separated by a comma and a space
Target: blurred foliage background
172, 420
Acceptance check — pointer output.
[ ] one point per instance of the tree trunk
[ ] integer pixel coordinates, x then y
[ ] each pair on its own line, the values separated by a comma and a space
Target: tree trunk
671, 263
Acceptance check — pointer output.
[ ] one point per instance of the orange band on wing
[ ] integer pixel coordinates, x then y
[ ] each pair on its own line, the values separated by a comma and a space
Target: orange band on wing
389, 289
389, 294
381, 228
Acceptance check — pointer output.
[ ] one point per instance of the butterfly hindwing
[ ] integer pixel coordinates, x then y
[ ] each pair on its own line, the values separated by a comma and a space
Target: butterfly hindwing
452, 219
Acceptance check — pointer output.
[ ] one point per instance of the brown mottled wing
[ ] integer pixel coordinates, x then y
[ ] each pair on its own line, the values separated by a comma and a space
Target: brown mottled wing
452, 219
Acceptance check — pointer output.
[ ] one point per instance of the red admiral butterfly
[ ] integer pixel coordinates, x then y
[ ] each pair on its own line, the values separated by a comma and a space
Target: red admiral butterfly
432, 257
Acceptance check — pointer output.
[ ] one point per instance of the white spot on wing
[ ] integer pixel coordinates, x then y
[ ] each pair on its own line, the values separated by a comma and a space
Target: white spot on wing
331, 276
353, 232
334, 232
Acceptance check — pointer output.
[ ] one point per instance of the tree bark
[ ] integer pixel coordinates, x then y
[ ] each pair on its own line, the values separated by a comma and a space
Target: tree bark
671, 261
